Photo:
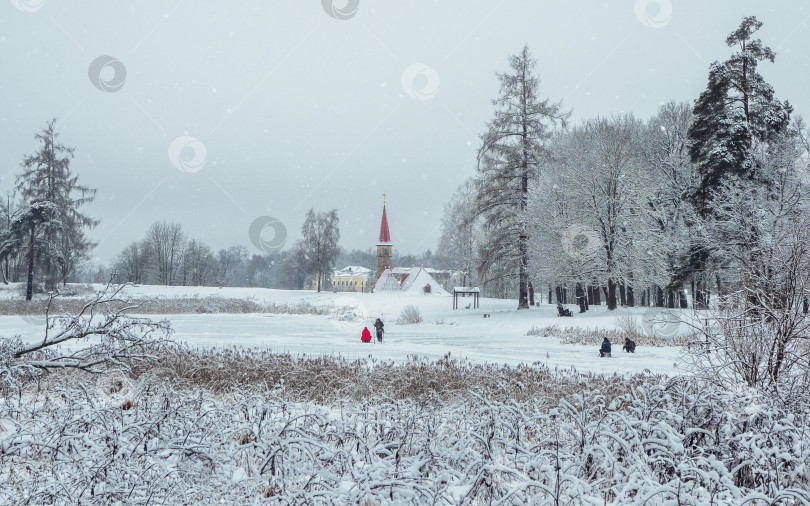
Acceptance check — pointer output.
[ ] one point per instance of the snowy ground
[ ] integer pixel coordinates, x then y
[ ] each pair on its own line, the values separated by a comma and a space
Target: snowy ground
464, 333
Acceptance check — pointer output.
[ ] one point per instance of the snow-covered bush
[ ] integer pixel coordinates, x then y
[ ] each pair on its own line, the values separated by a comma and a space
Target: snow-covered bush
175, 305
592, 337
410, 315
657, 442
98, 338
237, 426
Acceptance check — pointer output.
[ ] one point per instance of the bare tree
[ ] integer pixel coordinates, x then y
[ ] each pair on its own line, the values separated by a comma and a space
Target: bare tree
133, 262
760, 332
103, 337
461, 231
320, 242
594, 196
232, 263
166, 242
199, 264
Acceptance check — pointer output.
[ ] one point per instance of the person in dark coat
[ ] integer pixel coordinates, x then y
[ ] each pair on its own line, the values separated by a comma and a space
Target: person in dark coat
378, 325
366, 335
629, 345
604, 351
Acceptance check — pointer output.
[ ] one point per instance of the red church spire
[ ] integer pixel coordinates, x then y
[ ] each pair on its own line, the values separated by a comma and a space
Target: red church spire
385, 235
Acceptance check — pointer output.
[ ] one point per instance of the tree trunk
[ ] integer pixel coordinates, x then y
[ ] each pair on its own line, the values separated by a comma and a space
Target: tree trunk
523, 302
29, 290
611, 295
531, 294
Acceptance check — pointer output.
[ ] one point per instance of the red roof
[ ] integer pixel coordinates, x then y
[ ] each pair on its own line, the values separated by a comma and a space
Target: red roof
385, 236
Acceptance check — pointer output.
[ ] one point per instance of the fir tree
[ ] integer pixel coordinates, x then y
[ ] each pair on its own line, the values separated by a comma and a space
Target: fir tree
507, 162
47, 178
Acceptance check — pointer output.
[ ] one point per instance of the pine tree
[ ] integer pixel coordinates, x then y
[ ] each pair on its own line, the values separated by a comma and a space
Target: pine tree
736, 114
507, 162
47, 178
735, 121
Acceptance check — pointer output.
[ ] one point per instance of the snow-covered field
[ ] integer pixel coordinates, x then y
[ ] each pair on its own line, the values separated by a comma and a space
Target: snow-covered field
464, 333
341, 432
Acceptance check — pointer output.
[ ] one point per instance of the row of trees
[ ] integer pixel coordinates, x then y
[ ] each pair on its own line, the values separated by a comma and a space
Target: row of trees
167, 256
682, 205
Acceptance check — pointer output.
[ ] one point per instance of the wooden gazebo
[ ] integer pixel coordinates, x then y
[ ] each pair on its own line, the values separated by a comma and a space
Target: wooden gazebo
464, 291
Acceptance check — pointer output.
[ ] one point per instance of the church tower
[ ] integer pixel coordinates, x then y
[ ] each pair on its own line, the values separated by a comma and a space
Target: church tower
384, 246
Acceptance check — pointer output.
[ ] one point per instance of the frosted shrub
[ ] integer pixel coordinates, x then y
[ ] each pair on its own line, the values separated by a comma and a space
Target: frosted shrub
592, 337
410, 315
662, 443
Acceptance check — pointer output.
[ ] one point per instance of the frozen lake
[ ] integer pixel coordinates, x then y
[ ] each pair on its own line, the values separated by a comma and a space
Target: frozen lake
464, 333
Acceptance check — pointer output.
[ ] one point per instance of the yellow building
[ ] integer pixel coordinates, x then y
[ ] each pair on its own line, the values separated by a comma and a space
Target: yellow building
352, 279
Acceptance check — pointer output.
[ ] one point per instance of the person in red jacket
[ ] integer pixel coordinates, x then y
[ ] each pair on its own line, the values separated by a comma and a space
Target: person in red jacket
366, 336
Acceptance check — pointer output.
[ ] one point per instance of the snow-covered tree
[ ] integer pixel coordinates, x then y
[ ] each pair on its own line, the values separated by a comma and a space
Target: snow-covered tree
165, 243
46, 177
508, 161
200, 266
132, 263
320, 235
591, 210
27, 230
461, 232
736, 121
735, 115
671, 175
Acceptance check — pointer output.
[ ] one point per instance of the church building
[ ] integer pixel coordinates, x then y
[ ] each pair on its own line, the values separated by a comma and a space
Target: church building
387, 278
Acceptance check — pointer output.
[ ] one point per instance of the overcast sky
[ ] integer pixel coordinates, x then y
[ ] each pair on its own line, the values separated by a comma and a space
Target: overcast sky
214, 114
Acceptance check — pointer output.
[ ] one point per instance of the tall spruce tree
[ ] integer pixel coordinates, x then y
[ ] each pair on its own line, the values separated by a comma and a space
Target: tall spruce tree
47, 178
508, 161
